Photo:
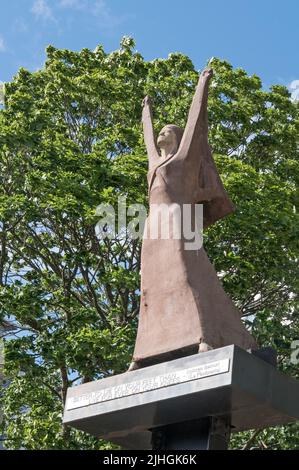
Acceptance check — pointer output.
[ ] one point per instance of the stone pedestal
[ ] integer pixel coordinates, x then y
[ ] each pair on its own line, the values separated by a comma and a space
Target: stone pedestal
226, 387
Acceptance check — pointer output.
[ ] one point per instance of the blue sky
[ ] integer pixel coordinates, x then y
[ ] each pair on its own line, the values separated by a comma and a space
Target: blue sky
261, 36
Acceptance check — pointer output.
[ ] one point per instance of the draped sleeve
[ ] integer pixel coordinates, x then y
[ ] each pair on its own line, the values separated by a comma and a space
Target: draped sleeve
196, 152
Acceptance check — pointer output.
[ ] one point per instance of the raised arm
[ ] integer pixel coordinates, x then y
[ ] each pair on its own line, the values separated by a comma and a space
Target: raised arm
197, 123
148, 132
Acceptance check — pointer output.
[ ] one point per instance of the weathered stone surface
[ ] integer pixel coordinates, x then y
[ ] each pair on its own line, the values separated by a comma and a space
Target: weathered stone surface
183, 303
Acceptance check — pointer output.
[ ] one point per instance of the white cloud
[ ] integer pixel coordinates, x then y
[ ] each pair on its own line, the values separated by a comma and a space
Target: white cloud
72, 3
42, 10
97, 8
101, 9
294, 87
104, 14
20, 26
2, 45
294, 84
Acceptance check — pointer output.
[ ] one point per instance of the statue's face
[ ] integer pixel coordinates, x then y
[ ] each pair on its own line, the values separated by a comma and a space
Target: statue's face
167, 139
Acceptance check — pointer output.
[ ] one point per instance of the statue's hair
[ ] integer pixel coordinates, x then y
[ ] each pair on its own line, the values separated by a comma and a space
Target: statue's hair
178, 132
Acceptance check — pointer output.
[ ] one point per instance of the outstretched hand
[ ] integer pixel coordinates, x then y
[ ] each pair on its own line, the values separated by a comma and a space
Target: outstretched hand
207, 73
147, 101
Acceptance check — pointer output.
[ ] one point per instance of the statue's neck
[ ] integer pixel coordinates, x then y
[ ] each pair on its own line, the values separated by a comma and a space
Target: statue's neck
167, 152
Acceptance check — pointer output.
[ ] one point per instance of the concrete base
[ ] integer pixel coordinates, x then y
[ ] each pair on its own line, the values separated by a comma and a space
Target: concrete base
225, 382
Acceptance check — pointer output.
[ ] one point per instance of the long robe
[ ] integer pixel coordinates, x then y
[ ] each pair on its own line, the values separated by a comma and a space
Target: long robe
183, 302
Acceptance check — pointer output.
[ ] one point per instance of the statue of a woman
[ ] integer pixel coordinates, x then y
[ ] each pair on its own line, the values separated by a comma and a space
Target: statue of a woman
184, 308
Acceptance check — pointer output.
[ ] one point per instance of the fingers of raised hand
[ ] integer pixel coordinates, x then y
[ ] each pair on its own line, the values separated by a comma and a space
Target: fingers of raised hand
207, 73
147, 100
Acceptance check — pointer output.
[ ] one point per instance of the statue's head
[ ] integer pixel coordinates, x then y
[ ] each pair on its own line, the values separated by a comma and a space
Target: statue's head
170, 138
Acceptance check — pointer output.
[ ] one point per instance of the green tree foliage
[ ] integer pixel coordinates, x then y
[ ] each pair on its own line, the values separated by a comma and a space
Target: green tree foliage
71, 139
